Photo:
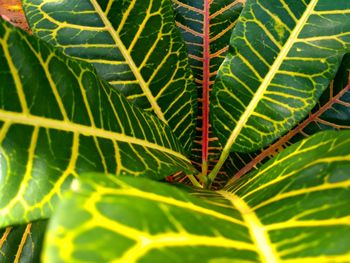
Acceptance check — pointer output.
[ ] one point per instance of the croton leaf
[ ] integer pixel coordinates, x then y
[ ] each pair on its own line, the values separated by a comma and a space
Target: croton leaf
294, 209
206, 27
332, 112
11, 10
59, 119
22, 243
282, 56
134, 45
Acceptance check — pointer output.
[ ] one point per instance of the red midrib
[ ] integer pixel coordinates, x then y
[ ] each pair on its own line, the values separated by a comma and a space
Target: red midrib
291, 134
206, 83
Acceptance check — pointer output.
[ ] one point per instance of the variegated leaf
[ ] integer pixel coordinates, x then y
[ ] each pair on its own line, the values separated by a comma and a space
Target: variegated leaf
22, 243
133, 44
283, 55
294, 209
58, 119
206, 26
332, 112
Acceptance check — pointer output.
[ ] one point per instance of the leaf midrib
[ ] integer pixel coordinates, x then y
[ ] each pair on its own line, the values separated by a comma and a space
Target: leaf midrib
20, 250
256, 228
270, 75
262, 88
205, 86
274, 147
32, 120
4, 236
129, 60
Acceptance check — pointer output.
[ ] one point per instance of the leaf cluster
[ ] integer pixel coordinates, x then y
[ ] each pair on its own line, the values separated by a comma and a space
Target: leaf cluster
243, 105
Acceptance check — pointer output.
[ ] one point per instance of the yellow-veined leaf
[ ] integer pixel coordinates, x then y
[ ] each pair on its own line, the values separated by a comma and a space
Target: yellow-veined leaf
22, 243
282, 56
59, 119
133, 44
332, 112
294, 209
206, 26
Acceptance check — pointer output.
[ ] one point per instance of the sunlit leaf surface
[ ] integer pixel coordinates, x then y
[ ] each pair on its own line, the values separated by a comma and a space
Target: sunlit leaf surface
294, 209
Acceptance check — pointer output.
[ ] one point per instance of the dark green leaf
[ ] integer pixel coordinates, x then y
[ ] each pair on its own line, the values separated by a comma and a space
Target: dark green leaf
58, 119
22, 243
332, 112
134, 45
283, 56
206, 27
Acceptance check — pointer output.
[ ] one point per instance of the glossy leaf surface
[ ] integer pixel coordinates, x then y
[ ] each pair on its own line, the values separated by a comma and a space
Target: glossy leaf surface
283, 55
22, 243
58, 119
294, 209
332, 112
134, 45
206, 27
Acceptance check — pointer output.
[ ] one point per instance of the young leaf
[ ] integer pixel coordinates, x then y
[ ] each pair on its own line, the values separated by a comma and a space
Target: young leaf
283, 212
22, 243
283, 56
332, 112
206, 27
59, 119
134, 45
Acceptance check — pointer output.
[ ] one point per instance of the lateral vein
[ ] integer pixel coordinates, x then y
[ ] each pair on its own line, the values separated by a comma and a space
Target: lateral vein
263, 87
143, 85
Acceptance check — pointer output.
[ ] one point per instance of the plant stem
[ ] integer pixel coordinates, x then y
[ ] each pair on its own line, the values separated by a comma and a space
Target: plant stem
194, 181
205, 86
211, 177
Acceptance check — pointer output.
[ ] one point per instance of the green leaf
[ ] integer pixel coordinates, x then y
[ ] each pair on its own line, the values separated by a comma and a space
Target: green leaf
332, 112
22, 243
134, 45
125, 220
334, 104
282, 56
294, 209
206, 27
58, 119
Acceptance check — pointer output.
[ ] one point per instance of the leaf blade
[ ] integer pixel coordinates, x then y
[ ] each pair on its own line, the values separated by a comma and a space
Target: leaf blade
84, 125
205, 27
267, 85
144, 58
242, 222
22, 243
330, 113
262, 104
168, 201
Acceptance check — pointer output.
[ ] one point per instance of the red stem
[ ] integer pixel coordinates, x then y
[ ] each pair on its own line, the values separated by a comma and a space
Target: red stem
288, 136
206, 83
